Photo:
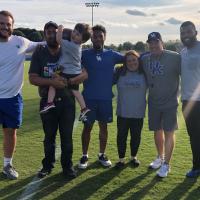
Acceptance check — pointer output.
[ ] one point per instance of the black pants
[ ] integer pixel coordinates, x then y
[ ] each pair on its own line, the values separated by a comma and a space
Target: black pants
123, 125
192, 120
61, 118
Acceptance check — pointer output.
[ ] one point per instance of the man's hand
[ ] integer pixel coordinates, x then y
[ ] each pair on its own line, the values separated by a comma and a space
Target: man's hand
58, 82
79, 79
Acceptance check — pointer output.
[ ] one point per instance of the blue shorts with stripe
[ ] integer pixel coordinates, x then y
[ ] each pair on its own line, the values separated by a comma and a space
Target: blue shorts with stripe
11, 111
101, 110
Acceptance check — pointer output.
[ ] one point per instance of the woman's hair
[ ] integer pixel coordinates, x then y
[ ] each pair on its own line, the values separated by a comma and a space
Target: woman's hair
121, 71
129, 53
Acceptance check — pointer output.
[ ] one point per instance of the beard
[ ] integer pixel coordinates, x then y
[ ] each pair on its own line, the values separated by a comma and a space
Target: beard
189, 41
97, 46
52, 44
2, 36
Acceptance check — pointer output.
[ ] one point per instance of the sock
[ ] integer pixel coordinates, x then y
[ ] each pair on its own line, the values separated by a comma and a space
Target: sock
133, 157
7, 161
100, 154
162, 157
85, 155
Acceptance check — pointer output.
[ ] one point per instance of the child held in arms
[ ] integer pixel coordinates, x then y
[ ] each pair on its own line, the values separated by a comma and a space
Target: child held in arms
70, 64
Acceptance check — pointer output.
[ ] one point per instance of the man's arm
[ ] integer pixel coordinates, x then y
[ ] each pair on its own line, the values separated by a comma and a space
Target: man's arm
118, 57
56, 82
80, 78
59, 34
32, 45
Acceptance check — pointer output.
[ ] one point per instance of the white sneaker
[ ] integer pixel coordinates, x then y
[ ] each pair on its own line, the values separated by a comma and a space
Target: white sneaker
10, 172
104, 160
163, 171
156, 163
83, 164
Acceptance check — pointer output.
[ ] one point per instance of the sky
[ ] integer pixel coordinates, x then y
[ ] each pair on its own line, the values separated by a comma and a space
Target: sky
124, 20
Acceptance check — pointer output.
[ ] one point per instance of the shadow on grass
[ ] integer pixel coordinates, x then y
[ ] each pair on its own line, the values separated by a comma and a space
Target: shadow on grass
181, 189
89, 186
194, 194
129, 185
52, 183
144, 191
49, 185
13, 190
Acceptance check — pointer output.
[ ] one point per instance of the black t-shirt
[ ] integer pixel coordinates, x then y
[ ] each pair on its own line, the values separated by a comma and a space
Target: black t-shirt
45, 64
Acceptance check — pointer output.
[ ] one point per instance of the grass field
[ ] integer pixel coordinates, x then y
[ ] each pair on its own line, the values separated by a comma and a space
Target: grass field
95, 182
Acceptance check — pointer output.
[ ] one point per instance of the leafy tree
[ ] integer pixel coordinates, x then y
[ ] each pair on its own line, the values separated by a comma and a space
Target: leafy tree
18, 33
128, 46
120, 47
170, 46
112, 46
35, 36
140, 46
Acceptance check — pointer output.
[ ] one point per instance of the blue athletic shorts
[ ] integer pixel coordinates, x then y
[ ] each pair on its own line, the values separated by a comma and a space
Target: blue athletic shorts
101, 110
11, 111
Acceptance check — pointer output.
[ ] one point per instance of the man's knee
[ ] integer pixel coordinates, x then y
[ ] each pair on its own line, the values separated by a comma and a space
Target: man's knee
9, 132
87, 129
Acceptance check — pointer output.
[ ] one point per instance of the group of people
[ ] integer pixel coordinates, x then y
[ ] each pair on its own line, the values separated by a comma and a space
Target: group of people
59, 65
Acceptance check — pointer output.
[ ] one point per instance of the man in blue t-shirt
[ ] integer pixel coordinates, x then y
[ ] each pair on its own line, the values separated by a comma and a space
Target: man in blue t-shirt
99, 64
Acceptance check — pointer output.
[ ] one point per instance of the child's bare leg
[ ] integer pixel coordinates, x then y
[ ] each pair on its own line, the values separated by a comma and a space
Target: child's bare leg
51, 94
79, 98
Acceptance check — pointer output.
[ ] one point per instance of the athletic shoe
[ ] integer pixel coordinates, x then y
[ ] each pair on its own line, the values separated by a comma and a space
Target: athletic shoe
83, 162
156, 163
193, 173
47, 107
164, 170
119, 165
83, 116
70, 172
10, 172
43, 172
104, 160
135, 162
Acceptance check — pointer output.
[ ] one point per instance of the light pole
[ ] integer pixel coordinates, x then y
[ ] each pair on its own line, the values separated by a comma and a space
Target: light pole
92, 4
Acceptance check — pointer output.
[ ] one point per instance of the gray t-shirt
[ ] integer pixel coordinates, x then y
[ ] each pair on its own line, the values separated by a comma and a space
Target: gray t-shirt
70, 58
190, 73
162, 75
131, 99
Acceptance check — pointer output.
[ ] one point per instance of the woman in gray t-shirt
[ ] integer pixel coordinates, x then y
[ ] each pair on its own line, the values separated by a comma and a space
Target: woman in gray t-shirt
131, 105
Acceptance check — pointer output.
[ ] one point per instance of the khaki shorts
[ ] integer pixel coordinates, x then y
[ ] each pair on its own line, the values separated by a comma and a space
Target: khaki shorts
165, 119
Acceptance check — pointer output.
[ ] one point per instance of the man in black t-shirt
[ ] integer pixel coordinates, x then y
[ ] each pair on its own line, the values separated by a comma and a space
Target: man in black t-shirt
43, 65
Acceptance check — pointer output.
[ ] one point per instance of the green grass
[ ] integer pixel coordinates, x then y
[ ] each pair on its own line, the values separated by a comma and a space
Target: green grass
96, 182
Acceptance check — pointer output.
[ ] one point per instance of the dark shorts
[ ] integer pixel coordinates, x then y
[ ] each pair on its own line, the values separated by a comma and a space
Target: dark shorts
68, 76
11, 111
101, 110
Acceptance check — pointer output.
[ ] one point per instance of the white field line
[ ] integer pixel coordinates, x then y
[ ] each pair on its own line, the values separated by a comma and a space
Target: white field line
31, 188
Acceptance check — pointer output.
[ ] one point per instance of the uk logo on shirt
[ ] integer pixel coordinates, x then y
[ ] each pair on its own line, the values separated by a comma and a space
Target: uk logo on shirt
156, 68
98, 58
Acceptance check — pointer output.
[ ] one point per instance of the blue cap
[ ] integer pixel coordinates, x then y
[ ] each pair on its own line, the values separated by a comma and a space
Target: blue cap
154, 36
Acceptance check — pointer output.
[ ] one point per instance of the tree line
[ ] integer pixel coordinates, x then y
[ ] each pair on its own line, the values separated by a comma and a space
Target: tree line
37, 36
